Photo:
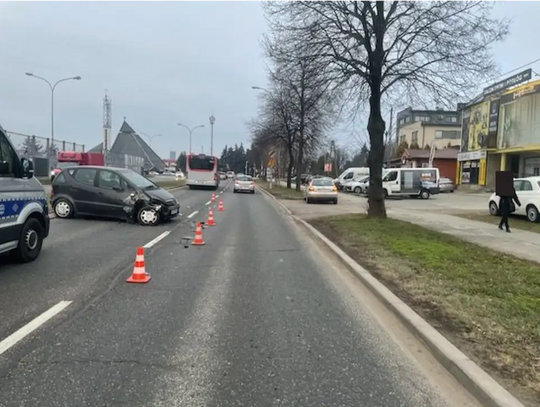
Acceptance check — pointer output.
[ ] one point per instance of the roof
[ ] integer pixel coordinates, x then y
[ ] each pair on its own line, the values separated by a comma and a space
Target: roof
130, 143
443, 154
97, 149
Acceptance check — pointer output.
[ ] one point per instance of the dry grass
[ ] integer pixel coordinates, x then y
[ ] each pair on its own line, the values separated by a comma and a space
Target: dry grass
280, 192
485, 302
517, 222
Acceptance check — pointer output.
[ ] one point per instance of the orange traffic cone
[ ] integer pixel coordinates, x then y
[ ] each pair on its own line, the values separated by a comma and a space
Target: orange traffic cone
198, 241
213, 197
210, 221
220, 207
139, 270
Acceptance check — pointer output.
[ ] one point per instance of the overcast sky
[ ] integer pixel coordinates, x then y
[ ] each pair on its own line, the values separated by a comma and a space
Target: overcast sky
162, 63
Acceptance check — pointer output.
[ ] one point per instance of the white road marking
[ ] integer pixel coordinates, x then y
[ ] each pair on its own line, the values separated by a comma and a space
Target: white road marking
32, 326
157, 239
208, 203
193, 214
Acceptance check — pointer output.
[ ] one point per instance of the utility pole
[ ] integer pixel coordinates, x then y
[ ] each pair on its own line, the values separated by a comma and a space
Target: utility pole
212, 121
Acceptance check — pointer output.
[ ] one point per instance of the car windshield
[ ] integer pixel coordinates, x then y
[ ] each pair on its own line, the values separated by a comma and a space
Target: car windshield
138, 180
63, 165
322, 182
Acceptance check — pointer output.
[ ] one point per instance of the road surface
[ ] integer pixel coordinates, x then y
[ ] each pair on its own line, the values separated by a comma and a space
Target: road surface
256, 317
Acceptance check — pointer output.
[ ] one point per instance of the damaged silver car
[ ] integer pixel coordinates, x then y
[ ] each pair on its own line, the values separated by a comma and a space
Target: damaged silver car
117, 193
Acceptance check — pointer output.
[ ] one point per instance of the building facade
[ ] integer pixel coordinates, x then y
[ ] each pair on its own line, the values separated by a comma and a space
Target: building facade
444, 159
421, 128
501, 132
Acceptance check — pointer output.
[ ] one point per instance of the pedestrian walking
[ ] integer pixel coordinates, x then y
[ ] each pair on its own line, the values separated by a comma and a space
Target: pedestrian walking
507, 205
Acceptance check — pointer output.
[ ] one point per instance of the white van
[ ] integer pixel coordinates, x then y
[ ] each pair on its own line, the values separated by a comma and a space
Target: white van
413, 182
24, 214
349, 174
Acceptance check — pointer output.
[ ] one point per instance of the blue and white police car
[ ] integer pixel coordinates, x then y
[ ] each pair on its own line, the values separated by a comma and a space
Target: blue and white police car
24, 214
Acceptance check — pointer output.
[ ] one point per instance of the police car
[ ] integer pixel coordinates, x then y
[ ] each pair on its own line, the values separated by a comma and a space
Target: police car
24, 214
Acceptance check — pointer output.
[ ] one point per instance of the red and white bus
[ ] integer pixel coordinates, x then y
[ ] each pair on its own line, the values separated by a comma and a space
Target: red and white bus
202, 171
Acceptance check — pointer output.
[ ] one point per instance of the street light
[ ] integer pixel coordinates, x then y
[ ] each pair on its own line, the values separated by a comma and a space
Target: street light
212, 121
190, 132
150, 138
53, 87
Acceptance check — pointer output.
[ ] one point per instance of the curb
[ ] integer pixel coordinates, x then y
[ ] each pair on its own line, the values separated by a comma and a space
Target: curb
477, 381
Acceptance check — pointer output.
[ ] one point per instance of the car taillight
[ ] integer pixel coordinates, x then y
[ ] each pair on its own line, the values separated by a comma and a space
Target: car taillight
334, 189
311, 189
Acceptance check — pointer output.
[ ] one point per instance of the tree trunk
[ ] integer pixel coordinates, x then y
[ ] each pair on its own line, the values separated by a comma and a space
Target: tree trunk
376, 127
300, 164
290, 167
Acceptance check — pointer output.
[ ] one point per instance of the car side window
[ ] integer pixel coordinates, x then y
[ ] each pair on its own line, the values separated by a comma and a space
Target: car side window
7, 158
86, 176
517, 185
349, 175
391, 176
109, 180
526, 186
60, 179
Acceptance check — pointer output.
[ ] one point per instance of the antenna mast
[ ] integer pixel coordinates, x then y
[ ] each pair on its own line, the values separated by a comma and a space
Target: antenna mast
107, 123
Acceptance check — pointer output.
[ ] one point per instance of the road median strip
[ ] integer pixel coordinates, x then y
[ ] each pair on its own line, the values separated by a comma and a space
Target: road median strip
485, 302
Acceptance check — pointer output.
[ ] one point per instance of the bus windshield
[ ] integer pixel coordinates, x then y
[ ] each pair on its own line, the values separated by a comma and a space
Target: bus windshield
201, 163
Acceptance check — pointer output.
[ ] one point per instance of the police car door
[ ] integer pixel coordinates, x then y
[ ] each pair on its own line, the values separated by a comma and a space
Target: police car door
12, 195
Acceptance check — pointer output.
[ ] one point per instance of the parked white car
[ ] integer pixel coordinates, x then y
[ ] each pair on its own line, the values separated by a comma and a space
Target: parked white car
528, 192
358, 186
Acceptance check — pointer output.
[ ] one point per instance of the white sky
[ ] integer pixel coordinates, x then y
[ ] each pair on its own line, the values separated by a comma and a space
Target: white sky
162, 63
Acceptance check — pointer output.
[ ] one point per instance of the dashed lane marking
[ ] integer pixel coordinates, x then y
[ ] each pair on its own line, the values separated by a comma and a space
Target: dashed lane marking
192, 214
15, 337
156, 240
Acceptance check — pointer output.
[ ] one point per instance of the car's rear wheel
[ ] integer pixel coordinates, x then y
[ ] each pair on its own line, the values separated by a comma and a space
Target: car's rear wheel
424, 194
308, 200
493, 209
63, 208
335, 201
532, 213
30, 241
148, 216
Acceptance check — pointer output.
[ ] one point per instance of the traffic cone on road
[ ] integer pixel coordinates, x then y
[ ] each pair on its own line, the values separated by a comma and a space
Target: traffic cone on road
220, 207
198, 241
210, 221
213, 197
139, 270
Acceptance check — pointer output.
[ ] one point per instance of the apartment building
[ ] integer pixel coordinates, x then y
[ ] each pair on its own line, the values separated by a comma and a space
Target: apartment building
421, 128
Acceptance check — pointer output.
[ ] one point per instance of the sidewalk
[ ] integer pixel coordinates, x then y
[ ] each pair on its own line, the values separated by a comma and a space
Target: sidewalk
519, 243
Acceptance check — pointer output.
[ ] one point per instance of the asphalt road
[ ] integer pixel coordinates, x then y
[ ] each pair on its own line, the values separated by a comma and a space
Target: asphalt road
253, 318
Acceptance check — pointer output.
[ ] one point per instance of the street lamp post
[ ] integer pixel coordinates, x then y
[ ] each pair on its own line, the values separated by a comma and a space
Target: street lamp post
212, 121
53, 87
190, 132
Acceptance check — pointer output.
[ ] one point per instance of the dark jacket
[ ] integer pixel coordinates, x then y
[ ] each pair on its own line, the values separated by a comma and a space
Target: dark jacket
505, 203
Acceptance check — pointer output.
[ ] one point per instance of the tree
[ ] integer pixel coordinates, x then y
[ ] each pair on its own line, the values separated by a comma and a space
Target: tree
401, 149
414, 145
181, 162
427, 147
31, 147
409, 49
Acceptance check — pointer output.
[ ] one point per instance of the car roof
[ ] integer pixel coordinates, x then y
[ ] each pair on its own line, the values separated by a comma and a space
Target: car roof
95, 167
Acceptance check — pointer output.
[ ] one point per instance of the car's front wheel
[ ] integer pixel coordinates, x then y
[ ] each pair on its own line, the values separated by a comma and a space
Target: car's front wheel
148, 216
357, 190
63, 208
424, 194
30, 241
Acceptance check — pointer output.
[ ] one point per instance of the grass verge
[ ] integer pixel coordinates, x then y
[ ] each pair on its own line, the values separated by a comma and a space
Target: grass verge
517, 222
487, 303
281, 192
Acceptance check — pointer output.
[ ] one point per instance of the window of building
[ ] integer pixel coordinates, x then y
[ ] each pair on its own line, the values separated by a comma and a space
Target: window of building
402, 138
451, 134
453, 119
414, 137
407, 119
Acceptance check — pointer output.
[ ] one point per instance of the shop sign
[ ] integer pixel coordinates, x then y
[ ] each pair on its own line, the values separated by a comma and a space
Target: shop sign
514, 80
472, 156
